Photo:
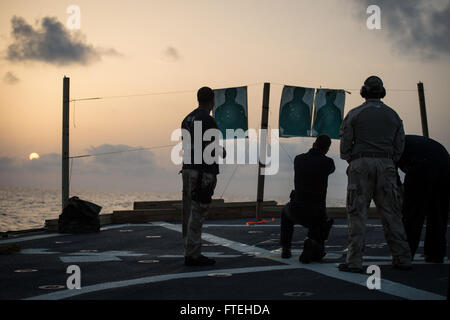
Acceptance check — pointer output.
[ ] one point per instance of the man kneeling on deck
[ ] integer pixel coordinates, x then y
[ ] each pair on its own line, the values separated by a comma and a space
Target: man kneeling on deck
307, 205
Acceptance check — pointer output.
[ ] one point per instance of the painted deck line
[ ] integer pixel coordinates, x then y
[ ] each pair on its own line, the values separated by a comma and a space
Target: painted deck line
29, 238
152, 279
260, 225
241, 247
387, 286
125, 225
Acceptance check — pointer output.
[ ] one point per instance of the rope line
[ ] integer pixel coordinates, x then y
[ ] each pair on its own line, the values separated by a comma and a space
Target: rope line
121, 151
141, 149
292, 160
281, 145
70, 174
133, 95
148, 94
73, 116
190, 91
229, 180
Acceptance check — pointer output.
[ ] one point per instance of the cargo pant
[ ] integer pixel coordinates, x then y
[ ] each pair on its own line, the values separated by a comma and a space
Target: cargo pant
375, 178
195, 209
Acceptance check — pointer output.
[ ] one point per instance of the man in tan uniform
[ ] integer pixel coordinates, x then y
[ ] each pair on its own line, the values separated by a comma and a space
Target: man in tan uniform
372, 140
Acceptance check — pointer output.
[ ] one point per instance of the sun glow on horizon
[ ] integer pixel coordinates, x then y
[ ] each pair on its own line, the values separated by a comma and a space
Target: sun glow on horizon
33, 156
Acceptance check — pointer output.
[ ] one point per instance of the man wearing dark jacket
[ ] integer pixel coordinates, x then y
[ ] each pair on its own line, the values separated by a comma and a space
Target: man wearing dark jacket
307, 205
199, 177
426, 194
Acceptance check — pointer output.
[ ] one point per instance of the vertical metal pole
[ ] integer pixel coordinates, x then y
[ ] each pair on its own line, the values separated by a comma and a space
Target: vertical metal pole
423, 110
65, 142
263, 148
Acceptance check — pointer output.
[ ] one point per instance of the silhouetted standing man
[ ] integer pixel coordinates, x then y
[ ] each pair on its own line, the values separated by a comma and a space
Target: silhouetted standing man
199, 178
372, 140
426, 194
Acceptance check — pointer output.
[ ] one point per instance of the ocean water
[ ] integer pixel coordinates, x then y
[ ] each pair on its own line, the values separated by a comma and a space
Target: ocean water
27, 208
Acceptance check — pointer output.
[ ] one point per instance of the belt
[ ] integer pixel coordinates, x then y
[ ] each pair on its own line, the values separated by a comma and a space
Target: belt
384, 155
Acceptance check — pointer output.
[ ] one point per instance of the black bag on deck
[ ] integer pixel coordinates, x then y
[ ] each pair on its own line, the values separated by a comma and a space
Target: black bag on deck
79, 216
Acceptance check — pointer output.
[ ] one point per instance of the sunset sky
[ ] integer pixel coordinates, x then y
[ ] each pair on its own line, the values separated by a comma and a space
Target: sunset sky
139, 47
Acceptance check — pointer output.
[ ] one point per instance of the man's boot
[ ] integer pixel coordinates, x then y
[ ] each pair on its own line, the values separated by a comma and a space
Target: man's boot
317, 252
306, 256
286, 252
200, 261
327, 228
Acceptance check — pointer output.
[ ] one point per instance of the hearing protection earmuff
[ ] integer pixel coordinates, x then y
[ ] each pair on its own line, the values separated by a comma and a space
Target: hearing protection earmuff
373, 85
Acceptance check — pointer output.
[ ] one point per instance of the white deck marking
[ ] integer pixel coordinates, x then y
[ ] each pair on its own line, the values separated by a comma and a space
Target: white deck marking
37, 251
152, 279
125, 225
208, 254
387, 286
83, 259
106, 256
258, 225
29, 238
83, 256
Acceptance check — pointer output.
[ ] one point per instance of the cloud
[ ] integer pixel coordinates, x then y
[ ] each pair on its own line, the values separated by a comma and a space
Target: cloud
415, 26
51, 43
171, 54
46, 162
112, 158
43, 172
10, 78
6, 163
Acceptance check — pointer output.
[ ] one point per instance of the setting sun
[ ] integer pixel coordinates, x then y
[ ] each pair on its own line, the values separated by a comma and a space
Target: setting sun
33, 156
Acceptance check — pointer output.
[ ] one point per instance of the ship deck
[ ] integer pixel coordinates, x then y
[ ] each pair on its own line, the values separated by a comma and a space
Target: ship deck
145, 261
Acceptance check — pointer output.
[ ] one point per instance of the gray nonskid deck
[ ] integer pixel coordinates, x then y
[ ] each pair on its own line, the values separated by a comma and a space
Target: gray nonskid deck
145, 261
